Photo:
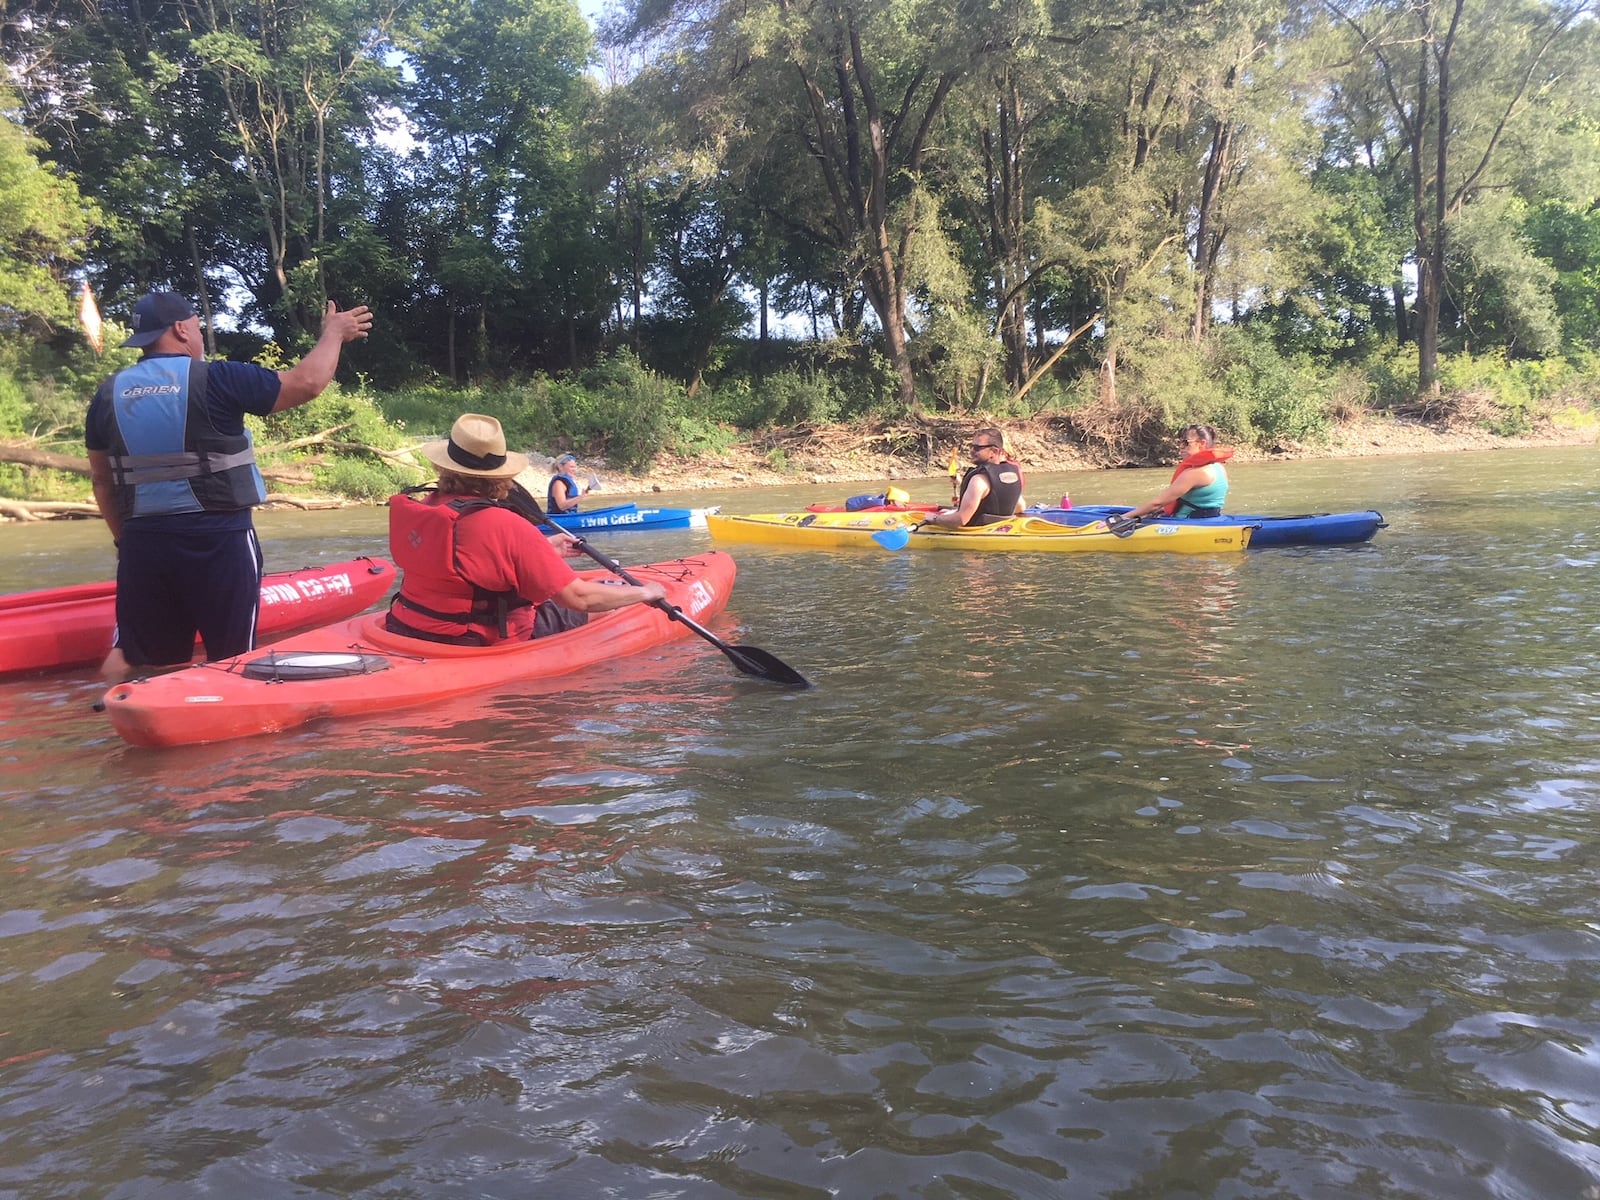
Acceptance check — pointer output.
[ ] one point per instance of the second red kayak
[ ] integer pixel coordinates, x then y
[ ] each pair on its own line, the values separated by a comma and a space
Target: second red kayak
357, 666
71, 626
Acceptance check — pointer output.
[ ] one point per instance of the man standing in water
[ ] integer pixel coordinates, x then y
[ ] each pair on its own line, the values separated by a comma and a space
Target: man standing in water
175, 477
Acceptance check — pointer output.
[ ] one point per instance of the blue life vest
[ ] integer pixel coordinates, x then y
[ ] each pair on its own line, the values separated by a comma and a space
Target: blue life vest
573, 491
165, 454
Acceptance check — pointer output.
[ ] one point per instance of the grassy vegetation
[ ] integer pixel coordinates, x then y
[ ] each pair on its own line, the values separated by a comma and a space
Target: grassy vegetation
627, 414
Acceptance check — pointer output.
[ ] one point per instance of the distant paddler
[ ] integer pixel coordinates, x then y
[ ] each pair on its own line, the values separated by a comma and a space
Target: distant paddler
1199, 481
990, 491
563, 494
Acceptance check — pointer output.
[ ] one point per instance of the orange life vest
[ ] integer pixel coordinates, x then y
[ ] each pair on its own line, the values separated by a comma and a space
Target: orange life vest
436, 602
1200, 458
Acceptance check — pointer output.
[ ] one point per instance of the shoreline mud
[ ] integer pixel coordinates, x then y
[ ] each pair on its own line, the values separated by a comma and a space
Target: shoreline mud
817, 459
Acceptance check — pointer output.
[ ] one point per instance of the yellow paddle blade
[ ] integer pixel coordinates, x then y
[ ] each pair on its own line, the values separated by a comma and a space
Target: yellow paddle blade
955, 464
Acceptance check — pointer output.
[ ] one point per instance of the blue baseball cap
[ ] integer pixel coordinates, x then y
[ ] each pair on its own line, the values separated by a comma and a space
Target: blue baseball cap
156, 313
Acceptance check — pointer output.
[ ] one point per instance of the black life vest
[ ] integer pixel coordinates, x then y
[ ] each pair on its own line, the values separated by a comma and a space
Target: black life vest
1005, 489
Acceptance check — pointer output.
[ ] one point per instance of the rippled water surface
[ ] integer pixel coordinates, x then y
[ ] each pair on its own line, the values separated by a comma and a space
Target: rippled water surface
1123, 876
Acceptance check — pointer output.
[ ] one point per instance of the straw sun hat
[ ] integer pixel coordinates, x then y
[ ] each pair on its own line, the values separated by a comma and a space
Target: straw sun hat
477, 446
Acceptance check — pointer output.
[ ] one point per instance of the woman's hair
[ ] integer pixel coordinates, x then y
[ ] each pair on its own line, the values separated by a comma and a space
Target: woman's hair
1205, 433
479, 487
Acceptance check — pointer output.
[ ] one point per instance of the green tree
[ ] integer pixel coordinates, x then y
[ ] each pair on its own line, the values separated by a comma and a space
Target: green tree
1567, 236
858, 90
1463, 86
44, 227
497, 95
298, 84
224, 142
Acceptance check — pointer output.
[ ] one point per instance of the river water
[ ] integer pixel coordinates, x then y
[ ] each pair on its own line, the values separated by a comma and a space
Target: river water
1126, 876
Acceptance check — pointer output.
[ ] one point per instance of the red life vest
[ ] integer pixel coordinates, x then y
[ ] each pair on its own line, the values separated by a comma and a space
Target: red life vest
436, 602
1200, 458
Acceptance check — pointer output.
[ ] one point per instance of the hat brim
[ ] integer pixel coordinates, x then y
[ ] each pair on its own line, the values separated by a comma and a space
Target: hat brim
148, 338
438, 453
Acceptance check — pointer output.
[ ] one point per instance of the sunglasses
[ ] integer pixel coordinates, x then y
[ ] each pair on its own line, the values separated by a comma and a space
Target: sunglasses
983, 446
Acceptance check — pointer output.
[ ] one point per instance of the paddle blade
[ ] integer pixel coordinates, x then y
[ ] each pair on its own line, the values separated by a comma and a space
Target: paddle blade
1122, 526
893, 539
755, 661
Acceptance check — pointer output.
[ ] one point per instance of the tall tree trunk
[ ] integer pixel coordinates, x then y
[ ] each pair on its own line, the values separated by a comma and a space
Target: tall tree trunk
637, 248
852, 136
1208, 232
202, 296
1430, 289
761, 337
1004, 179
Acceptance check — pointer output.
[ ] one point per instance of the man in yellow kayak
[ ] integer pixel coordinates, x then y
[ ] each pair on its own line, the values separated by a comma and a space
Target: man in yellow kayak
990, 491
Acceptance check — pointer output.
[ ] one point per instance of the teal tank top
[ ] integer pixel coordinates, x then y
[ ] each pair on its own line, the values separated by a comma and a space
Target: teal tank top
1209, 495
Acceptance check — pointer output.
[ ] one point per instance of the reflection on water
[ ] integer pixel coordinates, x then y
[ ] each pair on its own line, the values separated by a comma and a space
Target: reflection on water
1134, 876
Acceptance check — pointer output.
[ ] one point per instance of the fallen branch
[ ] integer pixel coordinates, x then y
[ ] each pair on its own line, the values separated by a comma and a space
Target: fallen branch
402, 456
29, 455
305, 502
39, 510
1051, 361
315, 439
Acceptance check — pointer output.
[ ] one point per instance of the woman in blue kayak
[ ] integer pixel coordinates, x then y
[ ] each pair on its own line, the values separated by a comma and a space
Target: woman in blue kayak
1199, 481
564, 493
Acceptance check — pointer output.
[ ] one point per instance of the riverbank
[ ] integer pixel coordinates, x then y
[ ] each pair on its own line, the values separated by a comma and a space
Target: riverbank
876, 455
854, 455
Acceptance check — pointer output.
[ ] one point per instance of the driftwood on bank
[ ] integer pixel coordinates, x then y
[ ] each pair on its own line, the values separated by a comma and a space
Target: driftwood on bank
28, 455
315, 439
306, 501
40, 510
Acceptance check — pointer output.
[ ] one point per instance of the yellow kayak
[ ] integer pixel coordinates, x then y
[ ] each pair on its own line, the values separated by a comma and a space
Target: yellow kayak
887, 530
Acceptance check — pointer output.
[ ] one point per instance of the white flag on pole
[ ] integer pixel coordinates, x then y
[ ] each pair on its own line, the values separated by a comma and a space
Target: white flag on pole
89, 314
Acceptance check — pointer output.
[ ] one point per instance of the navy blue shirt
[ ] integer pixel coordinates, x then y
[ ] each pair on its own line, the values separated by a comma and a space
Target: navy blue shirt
232, 389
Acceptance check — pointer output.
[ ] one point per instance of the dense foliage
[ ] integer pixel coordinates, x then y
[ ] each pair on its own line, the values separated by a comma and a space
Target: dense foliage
1257, 212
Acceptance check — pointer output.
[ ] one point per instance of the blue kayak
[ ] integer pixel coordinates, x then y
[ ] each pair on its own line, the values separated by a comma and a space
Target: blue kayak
1309, 529
631, 516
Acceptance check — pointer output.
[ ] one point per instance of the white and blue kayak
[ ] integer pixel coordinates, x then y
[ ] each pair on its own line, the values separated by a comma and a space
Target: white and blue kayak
630, 516
1308, 529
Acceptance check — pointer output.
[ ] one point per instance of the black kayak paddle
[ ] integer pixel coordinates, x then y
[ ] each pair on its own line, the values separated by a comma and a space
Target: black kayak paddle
749, 659
1121, 525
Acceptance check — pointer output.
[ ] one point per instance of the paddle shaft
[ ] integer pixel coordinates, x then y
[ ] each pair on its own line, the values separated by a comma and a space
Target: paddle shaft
749, 659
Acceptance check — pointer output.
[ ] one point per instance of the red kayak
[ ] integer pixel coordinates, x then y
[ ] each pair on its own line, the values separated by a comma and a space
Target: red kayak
71, 626
357, 667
